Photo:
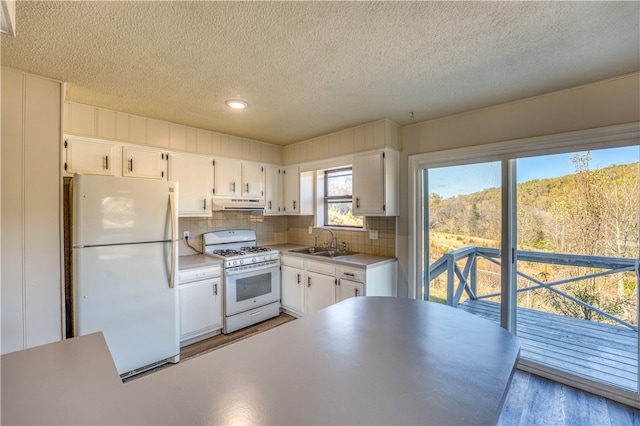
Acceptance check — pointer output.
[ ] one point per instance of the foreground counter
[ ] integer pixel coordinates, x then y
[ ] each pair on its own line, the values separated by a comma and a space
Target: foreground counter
367, 360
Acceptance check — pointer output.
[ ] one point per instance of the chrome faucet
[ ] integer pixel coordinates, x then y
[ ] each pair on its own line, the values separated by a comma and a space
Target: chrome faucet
332, 242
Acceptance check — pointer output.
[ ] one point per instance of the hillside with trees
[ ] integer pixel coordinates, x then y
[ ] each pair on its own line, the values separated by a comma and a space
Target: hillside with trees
590, 212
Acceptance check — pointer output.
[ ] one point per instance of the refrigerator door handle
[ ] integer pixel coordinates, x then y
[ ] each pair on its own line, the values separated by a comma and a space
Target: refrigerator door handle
174, 237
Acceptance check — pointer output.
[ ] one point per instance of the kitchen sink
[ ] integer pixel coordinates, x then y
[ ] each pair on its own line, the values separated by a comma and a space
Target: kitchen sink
308, 250
320, 251
334, 253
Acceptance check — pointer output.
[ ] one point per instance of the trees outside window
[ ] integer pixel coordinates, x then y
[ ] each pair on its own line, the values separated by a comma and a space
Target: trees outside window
338, 199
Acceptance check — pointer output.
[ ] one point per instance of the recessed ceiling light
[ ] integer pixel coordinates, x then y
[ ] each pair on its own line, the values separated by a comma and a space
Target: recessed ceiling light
236, 104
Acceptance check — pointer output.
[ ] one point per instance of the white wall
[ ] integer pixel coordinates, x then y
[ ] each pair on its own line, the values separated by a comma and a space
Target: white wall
101, 123
375, 135
31, 278
605, 103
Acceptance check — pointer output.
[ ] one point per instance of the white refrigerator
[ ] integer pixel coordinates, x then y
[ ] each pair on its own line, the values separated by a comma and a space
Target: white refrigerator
124, 239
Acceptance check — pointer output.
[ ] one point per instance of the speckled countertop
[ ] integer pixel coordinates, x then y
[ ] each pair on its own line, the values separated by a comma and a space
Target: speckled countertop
359, 260
406, 362
197, 261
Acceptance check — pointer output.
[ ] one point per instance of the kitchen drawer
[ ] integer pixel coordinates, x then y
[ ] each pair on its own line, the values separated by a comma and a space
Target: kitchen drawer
293, 261
351, 274
321, 268
197, 274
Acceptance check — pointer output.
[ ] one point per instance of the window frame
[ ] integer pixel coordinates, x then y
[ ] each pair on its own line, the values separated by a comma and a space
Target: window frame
329, 199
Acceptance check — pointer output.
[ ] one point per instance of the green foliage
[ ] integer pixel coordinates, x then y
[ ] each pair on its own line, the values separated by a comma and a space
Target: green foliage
629, 286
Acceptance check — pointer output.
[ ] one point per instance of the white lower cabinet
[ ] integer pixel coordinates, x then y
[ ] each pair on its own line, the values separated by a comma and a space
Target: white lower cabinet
200, 310
320, 291
292, 276
308, 285
321, 283
346, 289
350, 283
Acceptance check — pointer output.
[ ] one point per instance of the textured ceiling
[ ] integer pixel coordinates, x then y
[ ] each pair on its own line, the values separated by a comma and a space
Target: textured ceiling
310, 68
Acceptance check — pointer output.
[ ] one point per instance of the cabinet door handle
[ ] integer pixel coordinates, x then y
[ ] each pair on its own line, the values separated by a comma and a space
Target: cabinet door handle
308, 281
357, 292
294, 204
247, 186
106, 162
269, 204
215, 289
357, 202
233, 187
349, 274
130, 164
204, 204
299, 278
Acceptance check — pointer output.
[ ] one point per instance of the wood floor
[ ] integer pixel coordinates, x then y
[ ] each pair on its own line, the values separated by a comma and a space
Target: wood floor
222, 340
531, 400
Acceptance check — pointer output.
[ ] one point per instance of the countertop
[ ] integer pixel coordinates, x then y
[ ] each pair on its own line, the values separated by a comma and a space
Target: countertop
367, 360
360, 260
197, 261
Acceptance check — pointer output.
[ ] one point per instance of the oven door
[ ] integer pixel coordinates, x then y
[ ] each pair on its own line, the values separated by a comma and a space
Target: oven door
251, 289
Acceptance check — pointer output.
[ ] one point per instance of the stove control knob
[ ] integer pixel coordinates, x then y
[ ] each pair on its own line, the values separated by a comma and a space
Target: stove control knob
235, 262
267, 258
254, 260
241, 261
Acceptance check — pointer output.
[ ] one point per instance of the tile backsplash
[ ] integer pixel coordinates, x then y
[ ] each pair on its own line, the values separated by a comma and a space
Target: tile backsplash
272, 230
358, 241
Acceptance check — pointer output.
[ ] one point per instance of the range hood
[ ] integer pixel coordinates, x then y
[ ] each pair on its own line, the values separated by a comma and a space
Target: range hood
222, 203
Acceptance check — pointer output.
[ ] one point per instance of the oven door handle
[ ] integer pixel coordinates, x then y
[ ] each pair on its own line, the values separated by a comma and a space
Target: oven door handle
274, 264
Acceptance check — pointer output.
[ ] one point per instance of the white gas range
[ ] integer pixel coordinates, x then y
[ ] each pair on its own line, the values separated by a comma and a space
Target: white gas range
251, 277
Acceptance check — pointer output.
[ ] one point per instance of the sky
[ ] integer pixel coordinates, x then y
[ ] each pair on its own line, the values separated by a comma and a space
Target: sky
467, 179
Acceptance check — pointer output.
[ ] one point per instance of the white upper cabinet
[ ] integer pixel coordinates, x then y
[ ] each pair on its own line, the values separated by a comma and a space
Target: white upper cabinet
91, 157
375, 183
298, 191
144, 163
102, 157
194, 174
233, 178
228, 178
291, 190
252, 180
273, 190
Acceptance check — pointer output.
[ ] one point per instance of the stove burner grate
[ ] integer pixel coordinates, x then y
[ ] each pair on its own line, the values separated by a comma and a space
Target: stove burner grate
254, 249
228, 252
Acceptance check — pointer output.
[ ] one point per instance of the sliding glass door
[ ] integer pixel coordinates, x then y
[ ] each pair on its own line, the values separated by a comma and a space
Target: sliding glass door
577, 251
544, 240
462, 218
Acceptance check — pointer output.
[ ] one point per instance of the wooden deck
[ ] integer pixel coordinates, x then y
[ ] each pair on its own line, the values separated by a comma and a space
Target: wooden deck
601, 352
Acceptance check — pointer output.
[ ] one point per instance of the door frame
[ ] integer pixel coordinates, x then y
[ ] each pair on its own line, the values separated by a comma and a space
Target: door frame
508, 152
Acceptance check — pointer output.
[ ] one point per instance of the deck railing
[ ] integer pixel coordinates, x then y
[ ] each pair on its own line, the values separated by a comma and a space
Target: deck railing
463, 278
